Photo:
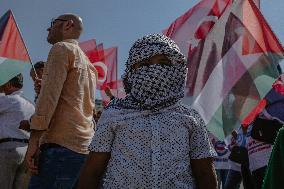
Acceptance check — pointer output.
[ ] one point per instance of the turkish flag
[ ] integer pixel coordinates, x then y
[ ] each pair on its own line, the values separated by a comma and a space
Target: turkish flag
100, 46
105, 61
189, 32
196, 23
88, 45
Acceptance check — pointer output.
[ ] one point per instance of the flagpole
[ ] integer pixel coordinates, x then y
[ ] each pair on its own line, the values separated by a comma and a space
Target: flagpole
24, 44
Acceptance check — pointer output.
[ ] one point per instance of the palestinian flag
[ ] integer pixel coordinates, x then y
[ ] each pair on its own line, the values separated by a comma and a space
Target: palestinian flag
232, 61
14, 56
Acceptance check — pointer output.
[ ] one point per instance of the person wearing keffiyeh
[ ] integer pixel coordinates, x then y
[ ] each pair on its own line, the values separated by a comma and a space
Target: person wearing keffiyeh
149, 139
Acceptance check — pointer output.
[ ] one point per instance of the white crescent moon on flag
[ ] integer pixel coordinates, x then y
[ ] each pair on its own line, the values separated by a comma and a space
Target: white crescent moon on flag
104, 68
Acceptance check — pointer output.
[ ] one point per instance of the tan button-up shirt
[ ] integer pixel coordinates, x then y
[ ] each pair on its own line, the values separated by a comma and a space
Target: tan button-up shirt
64, 108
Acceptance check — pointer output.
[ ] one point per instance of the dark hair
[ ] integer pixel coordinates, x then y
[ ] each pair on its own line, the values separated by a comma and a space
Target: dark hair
39, 64
17, 81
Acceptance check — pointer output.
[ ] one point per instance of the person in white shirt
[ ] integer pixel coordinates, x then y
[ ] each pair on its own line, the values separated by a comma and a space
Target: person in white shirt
221, 162
149, 139
259, 154
13, 142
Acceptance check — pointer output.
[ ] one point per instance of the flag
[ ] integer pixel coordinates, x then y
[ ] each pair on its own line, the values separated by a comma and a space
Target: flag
105, 61
110, 60
271, 106
232, 66
14, 56
100, 46
115, 85
88, 45
252, 115
190, 30
257, 3
244, 53
196, 23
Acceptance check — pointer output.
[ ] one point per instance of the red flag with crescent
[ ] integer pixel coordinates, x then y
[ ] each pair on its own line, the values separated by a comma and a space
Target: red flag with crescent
105, 61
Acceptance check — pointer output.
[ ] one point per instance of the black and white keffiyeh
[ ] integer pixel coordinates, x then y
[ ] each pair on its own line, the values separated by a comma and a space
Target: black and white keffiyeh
154, 86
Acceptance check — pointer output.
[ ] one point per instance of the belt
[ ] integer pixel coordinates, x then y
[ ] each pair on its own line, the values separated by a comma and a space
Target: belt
2, 140
49, 145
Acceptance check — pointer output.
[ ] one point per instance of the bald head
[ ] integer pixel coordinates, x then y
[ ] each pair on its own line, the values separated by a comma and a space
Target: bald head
66, 26
76, 21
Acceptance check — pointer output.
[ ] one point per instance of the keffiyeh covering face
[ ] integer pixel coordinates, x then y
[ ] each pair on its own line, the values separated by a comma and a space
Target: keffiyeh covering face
157, 85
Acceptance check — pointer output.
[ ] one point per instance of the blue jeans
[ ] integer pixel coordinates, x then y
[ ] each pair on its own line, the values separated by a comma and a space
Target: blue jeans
234, 179
59, 168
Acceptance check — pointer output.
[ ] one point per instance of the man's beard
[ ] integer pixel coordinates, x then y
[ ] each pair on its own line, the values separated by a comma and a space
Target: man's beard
54, 39
55, 36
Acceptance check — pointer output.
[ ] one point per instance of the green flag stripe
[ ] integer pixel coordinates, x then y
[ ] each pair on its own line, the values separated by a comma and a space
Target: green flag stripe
9, 68
262, 74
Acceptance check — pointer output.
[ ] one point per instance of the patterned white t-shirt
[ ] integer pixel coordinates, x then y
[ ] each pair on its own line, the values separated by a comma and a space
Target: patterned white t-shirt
151, 149
221, 161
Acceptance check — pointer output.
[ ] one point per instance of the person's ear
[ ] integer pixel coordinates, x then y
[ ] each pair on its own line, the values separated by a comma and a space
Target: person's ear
68, 25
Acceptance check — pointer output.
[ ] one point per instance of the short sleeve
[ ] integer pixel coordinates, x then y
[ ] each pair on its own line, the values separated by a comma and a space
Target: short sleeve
104, 134
200, 145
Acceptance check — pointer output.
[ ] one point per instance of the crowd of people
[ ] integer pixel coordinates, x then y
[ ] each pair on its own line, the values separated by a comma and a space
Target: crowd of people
149, 139
251, 153
234, 170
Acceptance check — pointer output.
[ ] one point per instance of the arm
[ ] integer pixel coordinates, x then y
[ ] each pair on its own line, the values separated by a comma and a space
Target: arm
93, 170
33, 151
99, 156
55, 73
204, 173
201, 155
108, 93
25, 125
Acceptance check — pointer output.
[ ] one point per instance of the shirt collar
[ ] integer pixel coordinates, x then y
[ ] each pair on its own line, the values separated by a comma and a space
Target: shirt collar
74, 41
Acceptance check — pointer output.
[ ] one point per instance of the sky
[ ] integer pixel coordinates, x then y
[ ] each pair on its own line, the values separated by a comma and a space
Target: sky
111, 22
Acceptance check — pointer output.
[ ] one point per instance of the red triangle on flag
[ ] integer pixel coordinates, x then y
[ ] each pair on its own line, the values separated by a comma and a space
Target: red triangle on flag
11, 43
256, 24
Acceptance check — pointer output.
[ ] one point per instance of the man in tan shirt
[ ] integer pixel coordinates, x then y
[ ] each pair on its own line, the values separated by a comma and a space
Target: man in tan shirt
62, 126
